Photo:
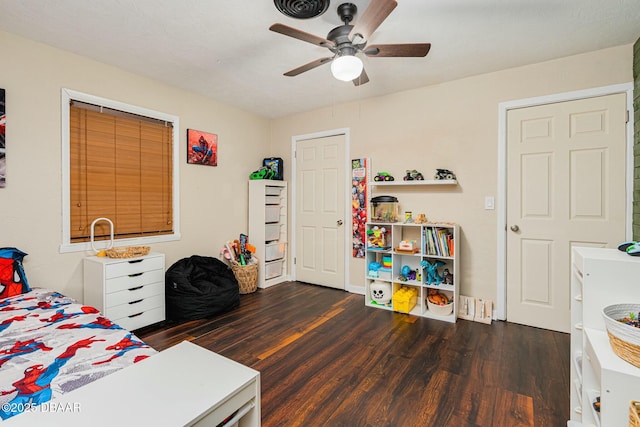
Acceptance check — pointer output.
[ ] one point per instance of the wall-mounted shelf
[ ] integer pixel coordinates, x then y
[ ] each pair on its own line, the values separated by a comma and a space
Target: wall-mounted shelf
413, 183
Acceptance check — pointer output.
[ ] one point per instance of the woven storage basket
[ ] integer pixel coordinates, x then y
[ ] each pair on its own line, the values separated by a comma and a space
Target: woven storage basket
247, 277
624, 339
441, 310
634, 413
128, 252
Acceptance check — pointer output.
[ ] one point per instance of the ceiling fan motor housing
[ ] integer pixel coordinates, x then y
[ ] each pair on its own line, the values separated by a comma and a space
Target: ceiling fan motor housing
346, 12
302, 9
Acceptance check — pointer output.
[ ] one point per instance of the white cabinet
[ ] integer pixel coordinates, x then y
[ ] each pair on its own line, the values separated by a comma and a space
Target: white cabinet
130, 292
600, 277
434, 243
268, 229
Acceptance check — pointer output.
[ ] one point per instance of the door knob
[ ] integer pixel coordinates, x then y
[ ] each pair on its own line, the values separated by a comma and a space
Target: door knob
339, 222
515, 228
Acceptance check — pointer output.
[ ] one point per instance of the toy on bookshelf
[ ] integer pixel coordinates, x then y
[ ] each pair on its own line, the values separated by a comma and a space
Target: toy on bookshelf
377, 238
413, 175
408, 217
374, 268
433, 278
408, 247
380, 292
444, 174
447, 277
420, 219
406, 273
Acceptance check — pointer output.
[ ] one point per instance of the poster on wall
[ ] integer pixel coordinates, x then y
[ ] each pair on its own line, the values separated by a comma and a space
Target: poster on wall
202, 148
3, 159
359, 206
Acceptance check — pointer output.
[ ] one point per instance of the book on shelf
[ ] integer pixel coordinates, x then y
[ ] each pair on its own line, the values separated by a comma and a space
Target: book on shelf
439, 242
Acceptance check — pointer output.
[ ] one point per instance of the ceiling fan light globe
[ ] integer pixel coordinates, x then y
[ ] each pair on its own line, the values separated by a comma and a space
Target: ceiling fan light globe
346, 67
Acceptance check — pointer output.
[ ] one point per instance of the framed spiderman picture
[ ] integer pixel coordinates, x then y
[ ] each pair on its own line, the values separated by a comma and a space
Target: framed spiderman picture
202, 148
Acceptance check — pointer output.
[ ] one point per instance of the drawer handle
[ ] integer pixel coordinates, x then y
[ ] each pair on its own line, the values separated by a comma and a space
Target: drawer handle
136, 274
578, 326
135, 315
136, 288
135, 261
136, 301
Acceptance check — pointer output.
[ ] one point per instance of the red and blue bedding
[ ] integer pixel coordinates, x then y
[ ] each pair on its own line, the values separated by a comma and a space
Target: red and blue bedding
50, 344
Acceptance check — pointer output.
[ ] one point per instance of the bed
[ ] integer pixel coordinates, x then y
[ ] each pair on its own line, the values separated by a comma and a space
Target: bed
62, 363
51, 344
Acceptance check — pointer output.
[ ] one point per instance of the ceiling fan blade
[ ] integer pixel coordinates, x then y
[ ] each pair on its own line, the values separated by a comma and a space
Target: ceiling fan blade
372, 17
300, 35
306, 67
398, 50
362, 79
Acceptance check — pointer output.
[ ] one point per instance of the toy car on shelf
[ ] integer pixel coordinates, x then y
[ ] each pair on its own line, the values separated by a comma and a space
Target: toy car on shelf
444, 174
383, 176
413, 175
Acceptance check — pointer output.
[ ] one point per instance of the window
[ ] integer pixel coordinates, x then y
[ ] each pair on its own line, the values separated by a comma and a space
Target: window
119, 162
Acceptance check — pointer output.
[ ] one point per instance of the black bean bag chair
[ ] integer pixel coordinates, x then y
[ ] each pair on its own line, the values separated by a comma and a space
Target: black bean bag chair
199, 287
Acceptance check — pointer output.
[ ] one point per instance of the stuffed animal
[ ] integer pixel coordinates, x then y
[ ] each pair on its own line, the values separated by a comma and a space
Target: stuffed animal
433, 278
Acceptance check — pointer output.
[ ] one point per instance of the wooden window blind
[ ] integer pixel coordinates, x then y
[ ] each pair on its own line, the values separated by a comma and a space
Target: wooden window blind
120, 168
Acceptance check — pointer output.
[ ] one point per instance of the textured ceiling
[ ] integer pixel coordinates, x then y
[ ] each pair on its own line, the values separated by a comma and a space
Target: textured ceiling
224, 50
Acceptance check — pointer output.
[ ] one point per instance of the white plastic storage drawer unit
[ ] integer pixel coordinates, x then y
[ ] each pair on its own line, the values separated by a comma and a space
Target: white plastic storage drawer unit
271, 213
268, 229
129, 291
274, 251
271, 232
273, 269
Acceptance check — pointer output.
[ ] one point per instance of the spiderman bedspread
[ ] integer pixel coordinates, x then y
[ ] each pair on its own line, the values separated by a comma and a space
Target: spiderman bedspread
50, 344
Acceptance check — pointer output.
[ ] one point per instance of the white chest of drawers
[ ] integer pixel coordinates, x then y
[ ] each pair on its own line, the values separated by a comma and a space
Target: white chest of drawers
130, 292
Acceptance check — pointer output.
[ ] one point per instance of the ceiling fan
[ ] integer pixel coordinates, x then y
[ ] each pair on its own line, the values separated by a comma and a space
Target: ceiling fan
346, 41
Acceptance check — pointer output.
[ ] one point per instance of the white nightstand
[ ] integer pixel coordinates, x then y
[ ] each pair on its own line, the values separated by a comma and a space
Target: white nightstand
130, 291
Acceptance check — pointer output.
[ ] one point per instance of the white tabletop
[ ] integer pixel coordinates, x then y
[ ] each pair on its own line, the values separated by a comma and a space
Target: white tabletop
172, 388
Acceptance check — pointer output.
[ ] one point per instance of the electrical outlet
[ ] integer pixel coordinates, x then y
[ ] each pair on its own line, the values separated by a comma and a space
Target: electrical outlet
489, 203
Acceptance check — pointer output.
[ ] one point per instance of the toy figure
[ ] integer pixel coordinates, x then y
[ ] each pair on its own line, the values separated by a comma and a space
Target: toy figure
421, 219
413, 175
447, 277
433, 278
444, 174
383, 176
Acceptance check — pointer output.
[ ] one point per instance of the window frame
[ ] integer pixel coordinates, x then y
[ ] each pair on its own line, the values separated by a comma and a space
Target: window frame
67, 95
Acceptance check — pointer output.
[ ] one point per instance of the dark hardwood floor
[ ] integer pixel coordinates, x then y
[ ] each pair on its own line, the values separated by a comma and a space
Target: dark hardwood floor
327, 360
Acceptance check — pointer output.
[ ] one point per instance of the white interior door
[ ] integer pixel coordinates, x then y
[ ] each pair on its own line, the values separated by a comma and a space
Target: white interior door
320, 211
566, 169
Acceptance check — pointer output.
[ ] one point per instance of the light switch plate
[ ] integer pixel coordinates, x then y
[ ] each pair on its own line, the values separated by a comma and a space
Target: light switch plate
489, 203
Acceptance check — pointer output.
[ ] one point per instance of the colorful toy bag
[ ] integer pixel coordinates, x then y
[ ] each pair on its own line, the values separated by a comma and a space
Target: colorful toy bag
13, 280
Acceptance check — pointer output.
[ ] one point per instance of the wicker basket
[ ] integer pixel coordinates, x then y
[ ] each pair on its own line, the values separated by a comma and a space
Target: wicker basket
128, 252
247, 277
634, 413
624, 339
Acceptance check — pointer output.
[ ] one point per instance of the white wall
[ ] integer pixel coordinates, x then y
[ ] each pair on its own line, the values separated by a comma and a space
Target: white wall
213, 199
455, 126
452, 125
